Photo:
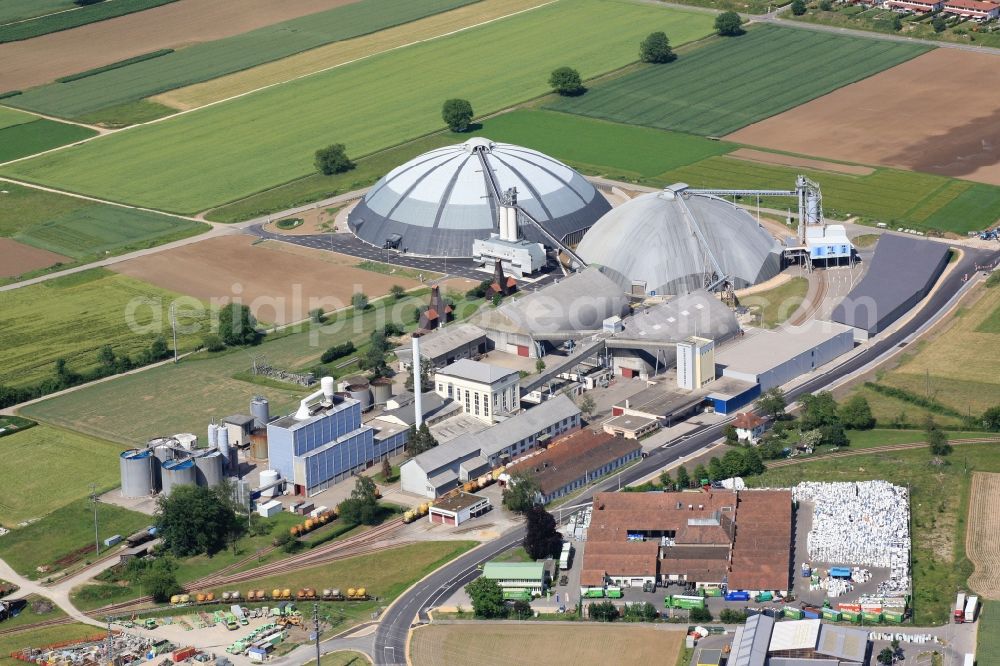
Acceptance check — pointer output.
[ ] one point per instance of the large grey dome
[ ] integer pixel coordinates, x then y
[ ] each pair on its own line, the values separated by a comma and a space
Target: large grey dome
664, 243
437, 204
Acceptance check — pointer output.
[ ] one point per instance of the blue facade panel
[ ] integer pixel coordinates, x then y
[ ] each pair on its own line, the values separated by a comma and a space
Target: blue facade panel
279, 451
729, 405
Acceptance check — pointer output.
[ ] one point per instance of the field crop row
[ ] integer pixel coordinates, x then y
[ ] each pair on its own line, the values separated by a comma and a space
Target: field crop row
268, 138
72, 317
84, 229
737, 81
887, 195
64, 20
212, 59
37, 136
10, 117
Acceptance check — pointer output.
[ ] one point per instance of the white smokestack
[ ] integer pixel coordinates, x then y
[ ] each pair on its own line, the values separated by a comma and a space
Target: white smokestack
418, 406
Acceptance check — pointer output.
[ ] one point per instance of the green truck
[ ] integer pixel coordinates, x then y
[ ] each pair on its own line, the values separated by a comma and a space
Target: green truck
594, 593
517, 595
231, 623
686, 601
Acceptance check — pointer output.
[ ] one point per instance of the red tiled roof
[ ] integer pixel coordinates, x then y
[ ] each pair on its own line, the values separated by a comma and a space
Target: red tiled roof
976, 5
762, 557
747, 420
569, 458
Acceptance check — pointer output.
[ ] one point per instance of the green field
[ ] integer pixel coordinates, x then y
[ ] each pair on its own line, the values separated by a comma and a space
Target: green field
369, 105
988, 650
940, 567
71, 19
734, 82
72, 317
11, 117
72, 463
622, 152
209, 60
899, 198
19, 10
37, 136
974, 209
776, 305
189, 394
81, 229
65, 531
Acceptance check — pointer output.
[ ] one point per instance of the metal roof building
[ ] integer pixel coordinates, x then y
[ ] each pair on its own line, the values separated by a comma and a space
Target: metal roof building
676, 241
437, 204
750, 642
902, 272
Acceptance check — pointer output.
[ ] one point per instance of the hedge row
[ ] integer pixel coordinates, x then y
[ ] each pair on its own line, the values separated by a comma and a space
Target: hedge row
914, 399
114, 65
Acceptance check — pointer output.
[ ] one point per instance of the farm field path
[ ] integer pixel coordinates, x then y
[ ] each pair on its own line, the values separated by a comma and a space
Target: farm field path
59, 592
341, 53
40, 60
980, 540
931, 132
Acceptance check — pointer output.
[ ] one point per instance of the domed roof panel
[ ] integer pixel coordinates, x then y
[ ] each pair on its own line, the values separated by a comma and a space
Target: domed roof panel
670, 242
446, 190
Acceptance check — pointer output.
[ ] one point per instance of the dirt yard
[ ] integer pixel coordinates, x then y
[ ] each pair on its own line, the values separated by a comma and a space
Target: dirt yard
938, 113
547, 643
281, 283
314, 221
18, 258
751, 155
36, 61
980, 540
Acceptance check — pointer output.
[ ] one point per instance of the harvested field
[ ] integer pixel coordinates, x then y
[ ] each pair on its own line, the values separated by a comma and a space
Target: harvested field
980, 540
403, 89
18, 259
731, 83
340, 53
752, 155
928, 131
205, 61
557, 644
42, 59
279, 286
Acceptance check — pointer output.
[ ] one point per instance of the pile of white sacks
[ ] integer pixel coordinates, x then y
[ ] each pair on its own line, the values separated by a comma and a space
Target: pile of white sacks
862, 523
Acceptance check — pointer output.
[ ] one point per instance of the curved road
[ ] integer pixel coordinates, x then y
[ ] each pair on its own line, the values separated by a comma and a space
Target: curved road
393, 631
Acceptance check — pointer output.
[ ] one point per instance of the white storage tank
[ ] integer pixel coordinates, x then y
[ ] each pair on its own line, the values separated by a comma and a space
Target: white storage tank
222, 443
268, 477
213, 435
260, 410
138, 476
210, 469
359, 388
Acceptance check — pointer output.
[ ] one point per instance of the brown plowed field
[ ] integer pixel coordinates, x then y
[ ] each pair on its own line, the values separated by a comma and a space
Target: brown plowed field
981, 539
486, 644
281, 283
18, 258
36, 61
939, 113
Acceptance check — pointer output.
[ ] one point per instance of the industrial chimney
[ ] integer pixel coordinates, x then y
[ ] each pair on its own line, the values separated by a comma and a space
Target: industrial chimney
417, 384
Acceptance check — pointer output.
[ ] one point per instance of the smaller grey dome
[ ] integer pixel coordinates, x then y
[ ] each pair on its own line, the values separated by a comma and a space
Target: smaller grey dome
665, 242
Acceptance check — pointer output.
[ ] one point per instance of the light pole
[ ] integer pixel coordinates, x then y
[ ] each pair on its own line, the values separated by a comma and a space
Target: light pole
93, 498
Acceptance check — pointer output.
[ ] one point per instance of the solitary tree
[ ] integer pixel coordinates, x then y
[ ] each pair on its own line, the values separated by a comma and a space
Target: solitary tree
729, 432
396, 292
885, 656
936, 438
195, 519
856, 414
939, 24
715, 470
729, 24
991, 418
539, 365
487, 598
666, 481
587, 405
316, 315
457, 114
237, 325
520, 493
158, 348
359, 301
566, 81
683, 478
541, 539
798, 7
361, 508
700, 474
386, 470
602, 611
333, 159
656, 48
772, 402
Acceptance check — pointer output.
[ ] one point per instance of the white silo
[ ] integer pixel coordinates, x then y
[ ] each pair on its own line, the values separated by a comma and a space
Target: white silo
267, 478
222, 443
260, 410
209, 468
213, 436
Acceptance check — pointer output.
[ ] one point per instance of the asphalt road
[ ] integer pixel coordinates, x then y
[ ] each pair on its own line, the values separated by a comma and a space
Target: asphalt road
392, 635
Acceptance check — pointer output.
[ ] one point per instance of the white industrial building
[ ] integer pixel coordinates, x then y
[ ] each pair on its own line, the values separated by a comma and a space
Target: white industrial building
483, 390
773, 358
435, 472
695, 362
458, 509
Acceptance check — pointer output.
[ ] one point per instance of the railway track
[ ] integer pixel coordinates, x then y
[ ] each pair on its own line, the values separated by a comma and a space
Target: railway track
37, 625
368, 542
879, 449
807, 310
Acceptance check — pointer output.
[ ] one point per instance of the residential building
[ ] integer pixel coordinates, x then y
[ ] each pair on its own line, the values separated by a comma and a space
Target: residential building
573, 461
919, 6
749, 427
469, 456
484, 391
972, 9
515, 576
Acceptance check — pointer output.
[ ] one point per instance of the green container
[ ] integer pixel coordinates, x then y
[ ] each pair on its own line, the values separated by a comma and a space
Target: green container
712, 592
893, 616
850, 616
792, 613
594, 593
832, 615
871, 617
764, 596
614, 593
